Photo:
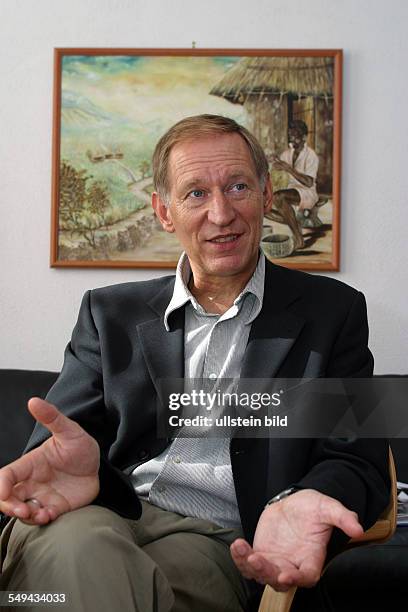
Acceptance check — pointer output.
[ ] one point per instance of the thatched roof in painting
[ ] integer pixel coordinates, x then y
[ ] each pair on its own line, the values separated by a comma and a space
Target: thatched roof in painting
302, 76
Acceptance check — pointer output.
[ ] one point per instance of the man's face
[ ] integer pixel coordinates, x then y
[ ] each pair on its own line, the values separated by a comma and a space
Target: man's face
216, 205
295, 137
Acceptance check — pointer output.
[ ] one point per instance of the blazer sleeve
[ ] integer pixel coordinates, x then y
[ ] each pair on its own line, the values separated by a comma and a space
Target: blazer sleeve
78, 393
354, 472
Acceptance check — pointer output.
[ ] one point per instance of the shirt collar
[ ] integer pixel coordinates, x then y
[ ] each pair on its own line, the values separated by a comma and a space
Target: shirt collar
182, 294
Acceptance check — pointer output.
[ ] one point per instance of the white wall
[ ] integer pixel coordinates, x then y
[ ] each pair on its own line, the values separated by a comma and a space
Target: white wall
38, 305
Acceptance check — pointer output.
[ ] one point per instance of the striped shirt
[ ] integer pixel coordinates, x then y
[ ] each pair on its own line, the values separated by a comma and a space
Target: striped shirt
193, 476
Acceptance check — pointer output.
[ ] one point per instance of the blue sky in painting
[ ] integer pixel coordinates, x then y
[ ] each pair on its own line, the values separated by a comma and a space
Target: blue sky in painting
112, 64
109, 64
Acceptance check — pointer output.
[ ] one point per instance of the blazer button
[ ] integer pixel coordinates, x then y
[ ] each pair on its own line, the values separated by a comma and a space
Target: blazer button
143, 454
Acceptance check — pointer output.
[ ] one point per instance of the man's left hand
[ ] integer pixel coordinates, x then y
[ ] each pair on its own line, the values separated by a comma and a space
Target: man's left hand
291, 538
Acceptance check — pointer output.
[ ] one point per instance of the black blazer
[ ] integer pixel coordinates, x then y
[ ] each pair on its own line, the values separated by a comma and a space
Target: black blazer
309, 326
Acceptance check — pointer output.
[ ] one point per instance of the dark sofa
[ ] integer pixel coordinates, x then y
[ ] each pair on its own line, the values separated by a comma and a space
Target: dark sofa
366, 578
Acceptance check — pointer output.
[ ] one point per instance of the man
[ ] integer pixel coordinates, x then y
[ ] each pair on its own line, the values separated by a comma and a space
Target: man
206, 524
301, 163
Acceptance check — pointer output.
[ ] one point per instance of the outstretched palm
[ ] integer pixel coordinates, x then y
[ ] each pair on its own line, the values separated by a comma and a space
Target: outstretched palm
291, 539
62, 473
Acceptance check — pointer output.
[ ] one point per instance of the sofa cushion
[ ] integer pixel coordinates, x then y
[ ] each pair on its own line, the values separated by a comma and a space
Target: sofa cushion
16, 423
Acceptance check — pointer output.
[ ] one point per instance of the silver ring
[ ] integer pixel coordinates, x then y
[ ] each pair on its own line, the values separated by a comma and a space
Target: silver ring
35, 501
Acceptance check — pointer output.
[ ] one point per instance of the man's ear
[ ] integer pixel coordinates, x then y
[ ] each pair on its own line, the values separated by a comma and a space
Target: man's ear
162, 212
268, 194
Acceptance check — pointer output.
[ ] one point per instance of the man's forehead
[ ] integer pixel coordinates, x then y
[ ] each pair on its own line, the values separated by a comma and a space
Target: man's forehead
225, 152
295, 131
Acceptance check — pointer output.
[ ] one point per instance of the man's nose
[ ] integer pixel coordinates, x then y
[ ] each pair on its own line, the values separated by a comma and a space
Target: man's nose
220, 211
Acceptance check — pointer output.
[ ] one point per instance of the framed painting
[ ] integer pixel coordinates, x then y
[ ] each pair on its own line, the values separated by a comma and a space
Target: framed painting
112, 105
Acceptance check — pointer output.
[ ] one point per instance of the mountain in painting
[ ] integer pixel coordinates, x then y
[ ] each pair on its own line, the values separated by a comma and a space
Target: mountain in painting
77, 110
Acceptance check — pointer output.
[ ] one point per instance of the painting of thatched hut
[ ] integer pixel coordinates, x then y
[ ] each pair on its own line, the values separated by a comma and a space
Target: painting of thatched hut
276, 90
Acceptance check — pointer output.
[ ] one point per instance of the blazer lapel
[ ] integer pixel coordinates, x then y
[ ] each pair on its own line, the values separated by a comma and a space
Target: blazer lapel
163, 350
274, 331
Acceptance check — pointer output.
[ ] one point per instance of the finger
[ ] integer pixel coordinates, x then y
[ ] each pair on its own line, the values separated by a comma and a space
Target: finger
23, 491
56, 422
240, 551
253, 565
309, 573
30, 512
11, 474
241, 547
25, 511
39, 495
36, 516
34, 512
336, 514
266, 571
41, 515
287, 580
15, 505
12, 507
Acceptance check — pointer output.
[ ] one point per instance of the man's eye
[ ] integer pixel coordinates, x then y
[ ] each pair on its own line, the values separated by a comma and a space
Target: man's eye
239, 187
196, 193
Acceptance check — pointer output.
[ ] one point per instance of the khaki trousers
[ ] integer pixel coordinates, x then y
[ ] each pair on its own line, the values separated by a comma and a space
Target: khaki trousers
102, 562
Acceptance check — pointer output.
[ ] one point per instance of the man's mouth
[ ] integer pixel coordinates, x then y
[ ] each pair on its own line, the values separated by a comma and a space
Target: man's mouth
229, 238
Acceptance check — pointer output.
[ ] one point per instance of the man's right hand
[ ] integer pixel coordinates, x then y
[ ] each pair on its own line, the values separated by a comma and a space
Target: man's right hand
61, 474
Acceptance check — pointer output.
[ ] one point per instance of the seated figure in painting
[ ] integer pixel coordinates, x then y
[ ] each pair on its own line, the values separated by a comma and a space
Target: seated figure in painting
301, 163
